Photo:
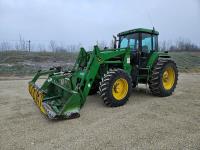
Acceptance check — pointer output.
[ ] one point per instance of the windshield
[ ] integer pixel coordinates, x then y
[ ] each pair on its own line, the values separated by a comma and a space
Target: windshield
131, 40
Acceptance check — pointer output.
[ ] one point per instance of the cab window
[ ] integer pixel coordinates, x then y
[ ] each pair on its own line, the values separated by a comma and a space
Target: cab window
134, 42
146, 43
131, 40
124, 42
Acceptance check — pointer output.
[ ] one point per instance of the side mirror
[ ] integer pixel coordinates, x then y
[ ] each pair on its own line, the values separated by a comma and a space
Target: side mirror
115, 41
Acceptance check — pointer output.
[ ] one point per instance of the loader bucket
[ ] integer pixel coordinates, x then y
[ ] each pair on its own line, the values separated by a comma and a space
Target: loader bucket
56, 98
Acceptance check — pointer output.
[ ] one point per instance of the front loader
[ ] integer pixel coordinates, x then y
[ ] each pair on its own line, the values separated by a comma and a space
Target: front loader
112, 72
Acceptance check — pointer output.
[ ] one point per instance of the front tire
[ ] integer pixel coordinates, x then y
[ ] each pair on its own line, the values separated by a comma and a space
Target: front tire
115, 88
164, 78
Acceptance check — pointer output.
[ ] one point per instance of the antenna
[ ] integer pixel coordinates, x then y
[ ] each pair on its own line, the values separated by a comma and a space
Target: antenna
150, 19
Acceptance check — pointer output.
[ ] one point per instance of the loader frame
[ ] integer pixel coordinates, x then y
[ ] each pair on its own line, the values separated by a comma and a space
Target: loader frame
64, 93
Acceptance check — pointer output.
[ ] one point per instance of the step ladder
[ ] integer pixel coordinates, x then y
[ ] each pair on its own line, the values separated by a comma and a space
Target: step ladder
145, 75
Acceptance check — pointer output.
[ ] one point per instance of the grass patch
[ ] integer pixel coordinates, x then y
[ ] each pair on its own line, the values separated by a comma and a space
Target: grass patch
187, 61
27, 63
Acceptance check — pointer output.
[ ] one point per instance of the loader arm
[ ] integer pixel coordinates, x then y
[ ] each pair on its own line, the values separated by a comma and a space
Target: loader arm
89, 74
64, 93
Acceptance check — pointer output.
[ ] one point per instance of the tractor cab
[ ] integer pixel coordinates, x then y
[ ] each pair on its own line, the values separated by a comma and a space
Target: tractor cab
142, 42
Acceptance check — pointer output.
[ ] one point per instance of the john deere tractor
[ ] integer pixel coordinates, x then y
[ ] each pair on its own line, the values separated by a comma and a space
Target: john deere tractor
112, 73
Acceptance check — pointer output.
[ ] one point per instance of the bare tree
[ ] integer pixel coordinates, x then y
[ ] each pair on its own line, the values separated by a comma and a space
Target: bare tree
41, 47
165, 45
22, 43
5, 46
162, 46
180, 45
52, 45
184, 45
17, 46
102, 45
73, 48
112, 44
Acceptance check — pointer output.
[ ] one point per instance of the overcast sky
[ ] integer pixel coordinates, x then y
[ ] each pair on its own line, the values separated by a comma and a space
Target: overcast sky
86, 21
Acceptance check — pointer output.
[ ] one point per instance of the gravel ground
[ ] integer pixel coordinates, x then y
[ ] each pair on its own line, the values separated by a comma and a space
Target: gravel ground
145, 122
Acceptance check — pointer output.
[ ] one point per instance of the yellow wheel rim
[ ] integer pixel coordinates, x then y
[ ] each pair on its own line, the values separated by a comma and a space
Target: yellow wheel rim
168, 78
120, 89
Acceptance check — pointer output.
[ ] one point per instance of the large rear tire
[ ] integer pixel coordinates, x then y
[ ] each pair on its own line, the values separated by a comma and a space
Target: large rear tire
115, 88
164, 78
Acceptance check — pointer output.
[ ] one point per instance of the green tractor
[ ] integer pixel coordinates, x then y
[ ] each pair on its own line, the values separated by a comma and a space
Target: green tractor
110, 72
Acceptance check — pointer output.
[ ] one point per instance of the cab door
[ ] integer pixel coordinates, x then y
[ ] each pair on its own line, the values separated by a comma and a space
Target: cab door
147, 46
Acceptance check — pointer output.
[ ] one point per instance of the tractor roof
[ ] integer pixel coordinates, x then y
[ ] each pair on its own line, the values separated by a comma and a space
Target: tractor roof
143, 30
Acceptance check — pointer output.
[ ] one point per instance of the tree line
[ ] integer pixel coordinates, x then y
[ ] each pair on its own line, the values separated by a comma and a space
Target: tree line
54, 46
179, 45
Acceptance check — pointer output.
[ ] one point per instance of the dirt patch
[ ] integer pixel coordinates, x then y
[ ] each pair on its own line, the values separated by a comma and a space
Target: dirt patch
145, 122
